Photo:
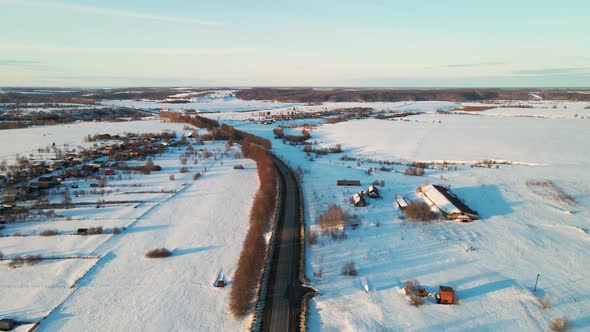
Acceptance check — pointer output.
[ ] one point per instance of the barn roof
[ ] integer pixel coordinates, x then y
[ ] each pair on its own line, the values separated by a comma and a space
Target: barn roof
446, 201
439, 199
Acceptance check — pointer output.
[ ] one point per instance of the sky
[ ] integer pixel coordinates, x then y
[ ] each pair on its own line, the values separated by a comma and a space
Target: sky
370, 43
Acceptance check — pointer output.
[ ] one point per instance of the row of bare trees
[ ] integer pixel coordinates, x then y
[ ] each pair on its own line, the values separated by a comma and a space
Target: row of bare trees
251, 262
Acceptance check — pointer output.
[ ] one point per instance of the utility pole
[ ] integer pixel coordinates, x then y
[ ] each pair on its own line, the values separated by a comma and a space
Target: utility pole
538, 275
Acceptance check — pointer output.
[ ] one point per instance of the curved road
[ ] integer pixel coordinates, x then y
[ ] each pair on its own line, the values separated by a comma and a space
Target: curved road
285, 292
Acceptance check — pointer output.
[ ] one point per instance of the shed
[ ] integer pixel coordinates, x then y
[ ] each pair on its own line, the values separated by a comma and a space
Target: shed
446, 295
373, 192
6, 324
358, 200
401, 202
348, 182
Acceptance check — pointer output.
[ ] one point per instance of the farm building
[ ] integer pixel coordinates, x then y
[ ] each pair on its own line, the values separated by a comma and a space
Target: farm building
46, 182
448, 203
348, 182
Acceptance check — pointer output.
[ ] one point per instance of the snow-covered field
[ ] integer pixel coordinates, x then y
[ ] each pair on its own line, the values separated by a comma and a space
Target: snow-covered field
464, 138
104, 282
493, 262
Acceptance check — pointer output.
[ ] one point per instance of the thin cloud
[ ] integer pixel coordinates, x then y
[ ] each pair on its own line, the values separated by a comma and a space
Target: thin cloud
463, 65
17, 62
110, 12
22, 64
135, 50
553, 71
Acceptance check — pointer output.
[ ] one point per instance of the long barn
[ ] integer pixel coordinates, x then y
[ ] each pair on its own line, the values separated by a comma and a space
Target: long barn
448, 203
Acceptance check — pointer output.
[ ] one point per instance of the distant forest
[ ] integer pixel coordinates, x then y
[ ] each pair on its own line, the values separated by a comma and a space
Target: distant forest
298, 95
308, 95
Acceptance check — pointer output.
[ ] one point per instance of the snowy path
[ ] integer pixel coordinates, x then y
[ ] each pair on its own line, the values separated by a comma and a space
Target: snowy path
125, 291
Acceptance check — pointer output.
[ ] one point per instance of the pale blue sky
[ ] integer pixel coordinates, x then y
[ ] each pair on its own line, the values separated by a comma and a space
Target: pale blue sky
396, 43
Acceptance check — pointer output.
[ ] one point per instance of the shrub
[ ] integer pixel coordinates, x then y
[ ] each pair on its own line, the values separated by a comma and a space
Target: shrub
335, 216
183, 170
411, 287
1, 256
338, 235
312, 237
17, 261
171, 177
559, 324
545, 302
158, 253
336, 149
419, 211
33, 259
116, 230
279, 132
416, 300
238, 167
196, 176
416, 171
349, 269
49, 232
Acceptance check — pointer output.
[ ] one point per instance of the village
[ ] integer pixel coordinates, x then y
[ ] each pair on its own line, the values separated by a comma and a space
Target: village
392, 234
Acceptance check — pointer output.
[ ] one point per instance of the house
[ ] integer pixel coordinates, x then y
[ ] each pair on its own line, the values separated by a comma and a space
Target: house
97, 163
60, 164
373, 192
401, 202
445, 295
18, 193
358, 200
7, 200
46, 182
448, 203
348, 182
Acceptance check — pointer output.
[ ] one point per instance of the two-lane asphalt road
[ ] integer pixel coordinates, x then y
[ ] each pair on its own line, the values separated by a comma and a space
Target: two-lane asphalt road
285, 293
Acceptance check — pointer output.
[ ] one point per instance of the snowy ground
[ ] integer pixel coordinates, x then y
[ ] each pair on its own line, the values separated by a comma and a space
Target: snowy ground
216, 101
28, 140
492, 263
522, 232
106, 282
